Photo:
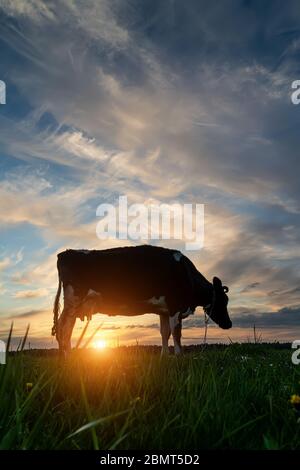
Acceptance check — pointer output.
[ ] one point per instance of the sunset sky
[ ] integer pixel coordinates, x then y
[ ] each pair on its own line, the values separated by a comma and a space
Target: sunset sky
186, 101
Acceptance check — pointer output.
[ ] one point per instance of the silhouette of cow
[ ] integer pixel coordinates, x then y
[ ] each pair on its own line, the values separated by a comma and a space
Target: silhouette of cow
134, 281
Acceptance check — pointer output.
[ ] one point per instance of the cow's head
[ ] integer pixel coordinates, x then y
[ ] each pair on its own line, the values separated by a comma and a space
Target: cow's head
217, 310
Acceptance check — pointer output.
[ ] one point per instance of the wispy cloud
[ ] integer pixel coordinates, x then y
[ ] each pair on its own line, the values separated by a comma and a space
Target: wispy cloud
30, 294
4, 263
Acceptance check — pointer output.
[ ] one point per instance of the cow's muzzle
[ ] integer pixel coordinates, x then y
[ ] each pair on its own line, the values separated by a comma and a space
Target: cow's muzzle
226, 325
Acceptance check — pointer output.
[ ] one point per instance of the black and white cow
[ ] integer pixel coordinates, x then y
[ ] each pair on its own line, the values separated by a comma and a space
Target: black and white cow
134, 281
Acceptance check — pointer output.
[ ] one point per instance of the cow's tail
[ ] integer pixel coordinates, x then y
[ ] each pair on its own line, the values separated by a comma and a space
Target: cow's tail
56, 306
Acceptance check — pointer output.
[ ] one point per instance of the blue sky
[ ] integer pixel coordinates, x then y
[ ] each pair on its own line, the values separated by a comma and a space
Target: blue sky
166, 101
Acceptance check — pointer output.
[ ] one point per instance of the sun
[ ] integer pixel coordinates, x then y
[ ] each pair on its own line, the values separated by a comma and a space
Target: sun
100, 344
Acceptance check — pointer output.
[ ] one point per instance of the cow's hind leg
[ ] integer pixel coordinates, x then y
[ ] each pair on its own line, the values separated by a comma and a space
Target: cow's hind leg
66, 324
66, 321
176, 326
165, 332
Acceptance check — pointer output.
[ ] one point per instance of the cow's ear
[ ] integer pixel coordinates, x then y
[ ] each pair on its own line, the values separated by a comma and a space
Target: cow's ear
217, 282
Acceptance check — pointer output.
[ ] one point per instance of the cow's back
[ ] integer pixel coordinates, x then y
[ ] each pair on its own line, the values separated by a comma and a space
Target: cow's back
123, 274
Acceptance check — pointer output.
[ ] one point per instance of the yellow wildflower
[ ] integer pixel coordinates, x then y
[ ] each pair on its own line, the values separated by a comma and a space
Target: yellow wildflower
295, 399
29, 386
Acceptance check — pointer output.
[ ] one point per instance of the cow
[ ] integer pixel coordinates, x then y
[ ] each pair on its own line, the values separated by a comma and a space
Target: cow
131, 281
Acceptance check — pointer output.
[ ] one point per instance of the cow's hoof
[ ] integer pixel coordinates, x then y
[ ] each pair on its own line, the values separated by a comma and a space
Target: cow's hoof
165, 352
177, 351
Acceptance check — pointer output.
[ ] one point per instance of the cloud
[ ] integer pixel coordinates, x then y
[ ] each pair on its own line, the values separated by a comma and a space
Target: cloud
99, 21
4, 263
34, 9
29, 314
19, 256
285, 317
253, 285
30, 294
3, 290
24, 314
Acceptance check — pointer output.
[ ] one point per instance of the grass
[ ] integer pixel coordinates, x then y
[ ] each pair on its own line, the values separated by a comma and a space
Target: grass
130, 398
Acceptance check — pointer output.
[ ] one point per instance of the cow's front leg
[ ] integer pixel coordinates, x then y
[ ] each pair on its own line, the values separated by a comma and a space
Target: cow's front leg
176, 325
165, 332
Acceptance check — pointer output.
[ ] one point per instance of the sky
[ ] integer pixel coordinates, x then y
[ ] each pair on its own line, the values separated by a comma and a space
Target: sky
159, 101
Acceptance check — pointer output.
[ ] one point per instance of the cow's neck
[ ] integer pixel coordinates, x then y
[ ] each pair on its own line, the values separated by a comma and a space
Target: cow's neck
204, 293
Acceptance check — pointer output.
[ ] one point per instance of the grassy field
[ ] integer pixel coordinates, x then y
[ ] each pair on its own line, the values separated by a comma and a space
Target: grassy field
130, 398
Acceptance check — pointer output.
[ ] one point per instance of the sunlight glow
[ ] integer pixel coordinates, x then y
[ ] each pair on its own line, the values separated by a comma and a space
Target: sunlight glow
100, 344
